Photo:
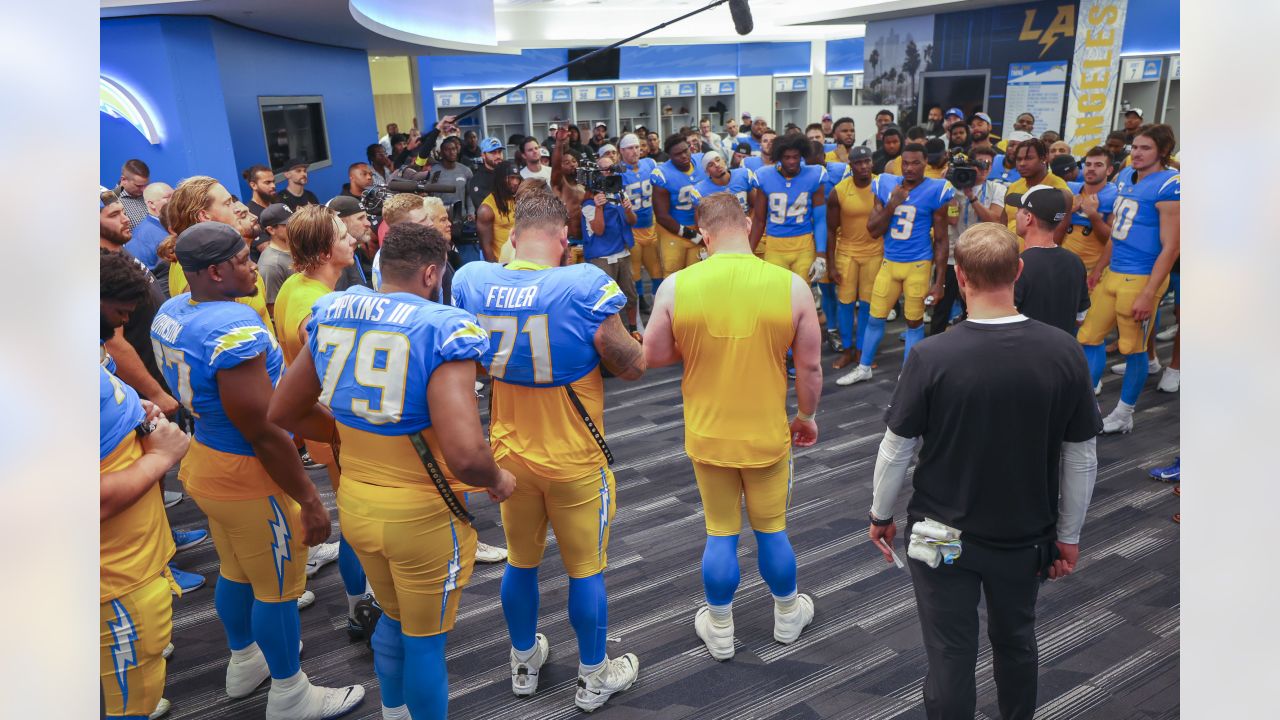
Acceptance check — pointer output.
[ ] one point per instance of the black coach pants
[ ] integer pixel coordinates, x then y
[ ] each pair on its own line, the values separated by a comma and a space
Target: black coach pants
942, 306
947, 600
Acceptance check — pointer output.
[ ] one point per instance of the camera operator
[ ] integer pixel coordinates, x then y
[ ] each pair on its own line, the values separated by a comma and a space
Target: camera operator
981, 202
564, 181
607, 239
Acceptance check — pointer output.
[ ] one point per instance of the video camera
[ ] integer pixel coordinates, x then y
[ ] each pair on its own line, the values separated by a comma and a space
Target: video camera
963, 173
595, 180
375, 195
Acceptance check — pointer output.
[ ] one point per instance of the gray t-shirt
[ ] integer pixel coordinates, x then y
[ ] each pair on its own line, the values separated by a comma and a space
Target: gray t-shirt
275, 266
458, 177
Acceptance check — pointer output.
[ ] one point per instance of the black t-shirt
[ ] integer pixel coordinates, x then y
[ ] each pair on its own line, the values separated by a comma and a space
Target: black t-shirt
296, 201
1053, 287
137, 332
994, 403
255, 208
481, 185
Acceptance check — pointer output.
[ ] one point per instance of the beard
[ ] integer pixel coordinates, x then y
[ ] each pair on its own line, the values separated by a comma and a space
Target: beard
980, 136
115, 237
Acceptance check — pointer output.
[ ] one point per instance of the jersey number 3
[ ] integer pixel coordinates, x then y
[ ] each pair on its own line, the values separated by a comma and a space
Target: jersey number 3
904, 220
382, 362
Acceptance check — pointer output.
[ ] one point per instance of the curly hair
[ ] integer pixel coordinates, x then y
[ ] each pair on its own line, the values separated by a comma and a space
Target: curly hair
121, 278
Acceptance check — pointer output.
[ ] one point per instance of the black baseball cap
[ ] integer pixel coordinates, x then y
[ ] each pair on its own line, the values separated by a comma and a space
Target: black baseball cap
861, 152
294, 162
345, 206
274, 214
207, 243
1062, 164
1043, 201
742, 147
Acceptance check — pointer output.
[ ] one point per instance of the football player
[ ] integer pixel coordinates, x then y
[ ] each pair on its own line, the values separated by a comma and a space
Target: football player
137, 446
1145, 243
740, 442
854, 258
1090, 223
243, 471
384, 368
637, 182
741, 183
674, 188
551, 328
911, 214
791, 217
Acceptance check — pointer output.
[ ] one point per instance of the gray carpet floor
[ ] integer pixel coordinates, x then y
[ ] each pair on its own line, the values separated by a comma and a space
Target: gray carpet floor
1108, 634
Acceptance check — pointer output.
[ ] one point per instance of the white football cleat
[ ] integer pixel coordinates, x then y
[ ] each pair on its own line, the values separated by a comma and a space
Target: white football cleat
1097, 389
1168, 333
171, 498
486, 553
856, 375
244, 676
1153, 367
319, 556
1170, 381
311, 702
788, 626
167, 651
162, 709
613, 677
893, 315
1118, 422
524, 675
719, 640
306, 599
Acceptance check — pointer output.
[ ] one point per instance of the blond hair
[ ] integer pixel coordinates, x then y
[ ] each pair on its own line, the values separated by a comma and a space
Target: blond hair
539, 210
189, 199
312, 231
397, 207
720, 211
988, 255
433, 204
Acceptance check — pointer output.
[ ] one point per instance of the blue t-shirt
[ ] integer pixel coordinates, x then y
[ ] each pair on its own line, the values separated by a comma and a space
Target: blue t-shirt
543, 322
147, 236
119, 412
789, 201
1106, 200
638, 185
617, 233
910, 238
1135, 221
374, 355
1002, 175
192, 342
741, 182
680, 187
754, 143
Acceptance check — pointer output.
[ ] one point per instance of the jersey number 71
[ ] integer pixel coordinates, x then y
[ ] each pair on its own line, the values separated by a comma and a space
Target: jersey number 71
508, 329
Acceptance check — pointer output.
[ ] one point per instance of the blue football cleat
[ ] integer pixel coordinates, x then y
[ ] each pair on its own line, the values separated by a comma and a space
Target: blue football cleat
184, 539
188, 581
1172, 473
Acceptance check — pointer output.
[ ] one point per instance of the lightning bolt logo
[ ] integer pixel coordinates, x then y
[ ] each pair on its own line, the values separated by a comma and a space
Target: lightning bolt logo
604, 513
122, 652
234, 338
455, 568
468, 330
280, 535
609, 291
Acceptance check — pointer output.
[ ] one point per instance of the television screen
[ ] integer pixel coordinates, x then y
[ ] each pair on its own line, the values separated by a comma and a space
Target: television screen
294, 127
601, 67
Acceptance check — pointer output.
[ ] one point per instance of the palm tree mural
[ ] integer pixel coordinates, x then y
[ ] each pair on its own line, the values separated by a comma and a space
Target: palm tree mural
911, 64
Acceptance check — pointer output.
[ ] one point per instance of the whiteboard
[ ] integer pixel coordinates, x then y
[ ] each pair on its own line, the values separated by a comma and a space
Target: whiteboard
864, 118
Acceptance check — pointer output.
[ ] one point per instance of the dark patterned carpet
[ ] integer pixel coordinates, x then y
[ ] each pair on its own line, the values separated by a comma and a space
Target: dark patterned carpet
1108, 634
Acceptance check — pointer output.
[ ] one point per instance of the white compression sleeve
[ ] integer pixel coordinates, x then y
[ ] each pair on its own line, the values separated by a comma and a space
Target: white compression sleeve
1076, 479
891, 471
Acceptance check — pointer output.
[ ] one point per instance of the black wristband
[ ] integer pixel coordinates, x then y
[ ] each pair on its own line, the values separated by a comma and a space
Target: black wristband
880, 523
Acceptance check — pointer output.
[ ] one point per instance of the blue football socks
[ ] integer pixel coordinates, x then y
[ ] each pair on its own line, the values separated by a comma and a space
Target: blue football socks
720, 573
589, 616
520, 600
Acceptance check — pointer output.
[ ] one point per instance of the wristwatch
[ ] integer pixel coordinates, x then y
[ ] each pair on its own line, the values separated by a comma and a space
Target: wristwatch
880, 523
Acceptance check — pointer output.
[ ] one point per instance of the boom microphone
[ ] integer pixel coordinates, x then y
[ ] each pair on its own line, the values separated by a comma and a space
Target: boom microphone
413, 186
741, 16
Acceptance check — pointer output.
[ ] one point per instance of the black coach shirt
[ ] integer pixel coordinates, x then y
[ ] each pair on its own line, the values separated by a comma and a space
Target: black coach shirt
994, 402
296, 201
1053, 287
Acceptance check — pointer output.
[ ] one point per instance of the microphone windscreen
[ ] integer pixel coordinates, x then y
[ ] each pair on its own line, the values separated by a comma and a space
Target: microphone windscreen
741, 16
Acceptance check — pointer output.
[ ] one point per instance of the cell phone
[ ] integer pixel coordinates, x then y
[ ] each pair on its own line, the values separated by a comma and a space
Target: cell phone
896, 560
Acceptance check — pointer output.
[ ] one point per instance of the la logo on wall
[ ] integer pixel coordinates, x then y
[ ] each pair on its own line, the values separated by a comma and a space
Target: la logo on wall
118, 101
1063, 25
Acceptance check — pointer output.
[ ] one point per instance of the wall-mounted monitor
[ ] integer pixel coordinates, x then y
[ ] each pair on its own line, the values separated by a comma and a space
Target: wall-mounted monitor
294, 127
604, 66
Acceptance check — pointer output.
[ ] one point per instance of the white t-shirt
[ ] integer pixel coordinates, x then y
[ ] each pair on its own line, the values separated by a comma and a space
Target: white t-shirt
544, 173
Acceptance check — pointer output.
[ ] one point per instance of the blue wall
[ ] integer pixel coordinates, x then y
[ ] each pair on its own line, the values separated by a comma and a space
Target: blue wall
202, 77
1152, 26
845, 56
655, 62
